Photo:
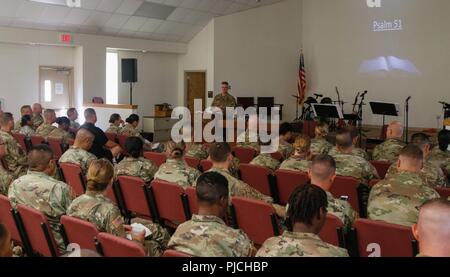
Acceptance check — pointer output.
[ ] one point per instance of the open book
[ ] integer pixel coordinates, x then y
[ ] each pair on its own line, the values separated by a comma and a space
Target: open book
388, 64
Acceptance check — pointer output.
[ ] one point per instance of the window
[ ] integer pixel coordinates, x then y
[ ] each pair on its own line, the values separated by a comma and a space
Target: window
48, 91
112, 78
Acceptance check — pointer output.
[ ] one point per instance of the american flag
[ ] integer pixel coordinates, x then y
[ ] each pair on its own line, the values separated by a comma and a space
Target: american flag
301, 85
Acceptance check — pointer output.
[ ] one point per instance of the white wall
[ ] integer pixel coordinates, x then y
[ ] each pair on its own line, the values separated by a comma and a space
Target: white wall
199, 57
157, 81
19, 71
258, 50
337, 37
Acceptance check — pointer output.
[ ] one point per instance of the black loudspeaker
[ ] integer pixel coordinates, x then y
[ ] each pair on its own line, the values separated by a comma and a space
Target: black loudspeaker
129, 71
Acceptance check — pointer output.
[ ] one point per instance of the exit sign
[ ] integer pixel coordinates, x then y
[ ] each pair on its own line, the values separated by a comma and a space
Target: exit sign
65, 38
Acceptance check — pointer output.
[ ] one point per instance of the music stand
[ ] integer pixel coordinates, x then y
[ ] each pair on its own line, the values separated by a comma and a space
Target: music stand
327, 111
384, 109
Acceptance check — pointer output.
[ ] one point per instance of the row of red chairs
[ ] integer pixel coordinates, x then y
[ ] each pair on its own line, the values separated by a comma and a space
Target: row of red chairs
55, 143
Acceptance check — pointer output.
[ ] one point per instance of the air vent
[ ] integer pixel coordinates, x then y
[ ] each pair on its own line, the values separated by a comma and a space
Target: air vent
154, 10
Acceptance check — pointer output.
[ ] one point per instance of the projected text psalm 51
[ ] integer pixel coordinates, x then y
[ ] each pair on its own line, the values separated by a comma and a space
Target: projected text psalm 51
387, 26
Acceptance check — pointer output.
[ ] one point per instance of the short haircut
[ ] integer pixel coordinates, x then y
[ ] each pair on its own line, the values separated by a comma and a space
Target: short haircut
134, 146
71, 111
114, 117
354, 132
49, 112
212, 187
219, 151
63, 120
225, 83
24, 107
25, 119
305, 203
39, 157
132, 118
5, 118
99, 175
89, 112
302, 144
344, 138
412, 151
444, 139
321, 129
420, 139
84, 134
285, 128
323, 166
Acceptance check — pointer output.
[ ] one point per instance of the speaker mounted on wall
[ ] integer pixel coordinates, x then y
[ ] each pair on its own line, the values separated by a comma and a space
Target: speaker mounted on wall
129, 74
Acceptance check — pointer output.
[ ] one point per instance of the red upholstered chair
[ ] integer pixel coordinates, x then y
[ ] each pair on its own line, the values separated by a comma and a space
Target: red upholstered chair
79, 231
382, 167
169, 253
21, 140
256, 218
192, 162
56, 146
309, 127
111, 136
121, 139
277, 156
157, 158
347, 186
258, 177
443, 192
8, 218
71, 142
192, 199
38, 232
171, 203
205, 165
378, 238
287, 181
73, 177
36, 140
332, 232
245, 155
98, 100
112, 246
134, 193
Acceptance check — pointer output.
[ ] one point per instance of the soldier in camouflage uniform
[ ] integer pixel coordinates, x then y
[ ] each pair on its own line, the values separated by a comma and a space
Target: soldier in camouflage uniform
301, 159
440, 155
78, 153
47, 127
5, 181
266, 160
72, 114
320, 145
247, 140
41, 192
196, 150
37, 115
430, 173
14, 155
355, 151
322, 174
224, 99
95, 207
175, 170
285, 147
130, 129
349, 165
220, 155
136, 165
397, 199
62, 132
303, 240
116, 124
24, 110
388, 151
206, 234
27, 126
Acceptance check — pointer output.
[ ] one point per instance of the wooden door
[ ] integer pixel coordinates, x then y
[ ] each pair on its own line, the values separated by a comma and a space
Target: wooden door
55, 88
195, 88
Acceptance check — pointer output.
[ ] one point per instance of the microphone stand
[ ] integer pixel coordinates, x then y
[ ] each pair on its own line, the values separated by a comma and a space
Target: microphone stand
407, 120
360, 115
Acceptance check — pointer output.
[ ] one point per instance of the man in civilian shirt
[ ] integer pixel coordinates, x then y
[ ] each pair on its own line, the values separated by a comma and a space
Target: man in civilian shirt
101, 147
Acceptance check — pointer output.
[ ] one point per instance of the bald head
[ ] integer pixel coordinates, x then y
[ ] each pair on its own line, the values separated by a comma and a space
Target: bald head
433, 228
410, 159
37, 108
84, 139
50, 116
394, 130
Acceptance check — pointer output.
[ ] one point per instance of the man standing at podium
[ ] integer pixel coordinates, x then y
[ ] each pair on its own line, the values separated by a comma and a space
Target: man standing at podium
224, 99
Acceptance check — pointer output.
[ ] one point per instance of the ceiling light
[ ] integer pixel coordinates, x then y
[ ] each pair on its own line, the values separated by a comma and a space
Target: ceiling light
67, 3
